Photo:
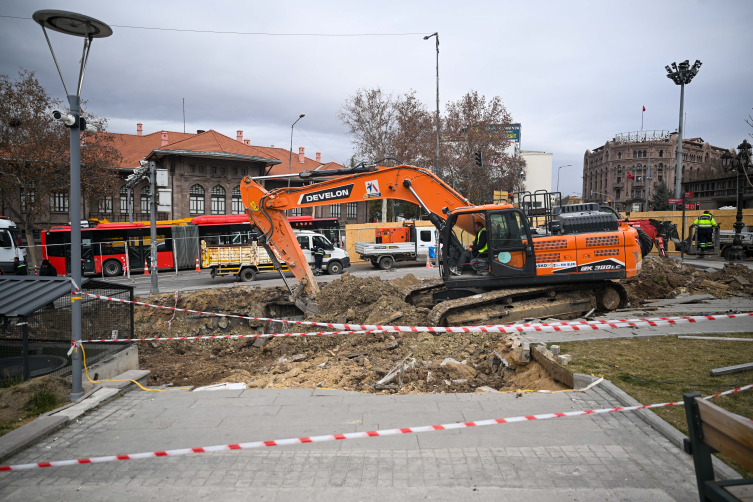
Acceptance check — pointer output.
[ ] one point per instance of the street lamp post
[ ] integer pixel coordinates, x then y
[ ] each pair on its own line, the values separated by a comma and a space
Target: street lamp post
88, 28
741, 163
427, 37
558, 176
681, 74
290, 158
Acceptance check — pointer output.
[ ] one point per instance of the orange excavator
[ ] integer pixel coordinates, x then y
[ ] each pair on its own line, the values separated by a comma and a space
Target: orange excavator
540, 260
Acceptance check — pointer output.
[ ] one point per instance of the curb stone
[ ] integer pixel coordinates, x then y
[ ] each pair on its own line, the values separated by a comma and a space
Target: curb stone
721, 470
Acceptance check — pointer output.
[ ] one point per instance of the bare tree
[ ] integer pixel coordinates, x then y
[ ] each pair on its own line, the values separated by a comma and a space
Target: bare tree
34, 152
369, 115
474, 124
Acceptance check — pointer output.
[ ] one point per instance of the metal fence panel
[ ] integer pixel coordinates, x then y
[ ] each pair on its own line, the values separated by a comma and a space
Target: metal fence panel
37, 344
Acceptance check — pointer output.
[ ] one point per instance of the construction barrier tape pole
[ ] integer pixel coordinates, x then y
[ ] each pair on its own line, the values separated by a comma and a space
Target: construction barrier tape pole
339, 437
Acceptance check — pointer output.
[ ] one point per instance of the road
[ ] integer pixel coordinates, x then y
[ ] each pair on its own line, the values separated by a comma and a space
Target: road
189, 280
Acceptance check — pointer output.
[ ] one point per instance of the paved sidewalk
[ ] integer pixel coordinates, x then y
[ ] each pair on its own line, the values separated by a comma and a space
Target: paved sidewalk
605, 457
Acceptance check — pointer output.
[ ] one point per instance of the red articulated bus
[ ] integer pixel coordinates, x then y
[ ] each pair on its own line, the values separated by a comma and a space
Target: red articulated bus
113, 246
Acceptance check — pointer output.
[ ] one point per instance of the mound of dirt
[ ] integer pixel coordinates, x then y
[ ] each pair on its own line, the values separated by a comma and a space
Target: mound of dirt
15, 400
349, 362
666, 278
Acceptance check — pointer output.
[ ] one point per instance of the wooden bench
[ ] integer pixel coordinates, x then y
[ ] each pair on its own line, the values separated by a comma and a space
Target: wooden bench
712, 429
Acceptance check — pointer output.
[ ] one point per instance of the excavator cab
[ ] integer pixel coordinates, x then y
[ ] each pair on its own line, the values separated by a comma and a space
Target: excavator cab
509, 250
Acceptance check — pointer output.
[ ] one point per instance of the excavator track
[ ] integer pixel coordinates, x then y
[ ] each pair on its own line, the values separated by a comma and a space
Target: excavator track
506, 306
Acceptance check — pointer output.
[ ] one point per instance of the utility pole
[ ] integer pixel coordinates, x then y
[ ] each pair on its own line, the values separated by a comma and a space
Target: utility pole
436, 35
681, 74
153, 219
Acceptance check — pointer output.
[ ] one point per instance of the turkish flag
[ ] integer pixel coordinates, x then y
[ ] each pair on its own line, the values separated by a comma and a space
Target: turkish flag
644, 108
631, 176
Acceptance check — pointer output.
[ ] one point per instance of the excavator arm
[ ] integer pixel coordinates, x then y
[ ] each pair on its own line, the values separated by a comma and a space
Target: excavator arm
266, 209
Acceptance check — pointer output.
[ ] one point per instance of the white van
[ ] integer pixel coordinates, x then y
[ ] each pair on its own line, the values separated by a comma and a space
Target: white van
335, 259
10, 242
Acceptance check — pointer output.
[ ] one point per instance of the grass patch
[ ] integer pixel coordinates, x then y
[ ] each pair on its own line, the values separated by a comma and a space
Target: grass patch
41, 401
687, 363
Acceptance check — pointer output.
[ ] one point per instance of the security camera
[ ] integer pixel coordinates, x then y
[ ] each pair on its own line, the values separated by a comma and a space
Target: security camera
65, 118
87, 127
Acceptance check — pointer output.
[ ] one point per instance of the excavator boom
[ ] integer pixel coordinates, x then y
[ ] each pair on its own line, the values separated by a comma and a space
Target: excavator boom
267, 210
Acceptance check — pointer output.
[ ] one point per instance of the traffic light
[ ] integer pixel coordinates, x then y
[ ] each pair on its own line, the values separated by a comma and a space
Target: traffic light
479, 159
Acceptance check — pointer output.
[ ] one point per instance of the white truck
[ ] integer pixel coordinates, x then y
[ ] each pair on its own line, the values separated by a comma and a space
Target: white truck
246, 260
726, 238
393, 244
10, 245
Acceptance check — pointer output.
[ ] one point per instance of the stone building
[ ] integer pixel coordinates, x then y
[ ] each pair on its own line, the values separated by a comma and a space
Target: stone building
606, 168
205, 170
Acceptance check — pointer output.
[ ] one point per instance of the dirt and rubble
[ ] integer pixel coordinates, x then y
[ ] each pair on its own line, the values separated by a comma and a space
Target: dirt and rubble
348, 362
359, 362
661, 278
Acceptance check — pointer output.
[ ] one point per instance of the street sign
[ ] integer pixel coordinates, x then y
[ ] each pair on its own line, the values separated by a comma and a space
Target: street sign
690, 206
688, 195
674, 201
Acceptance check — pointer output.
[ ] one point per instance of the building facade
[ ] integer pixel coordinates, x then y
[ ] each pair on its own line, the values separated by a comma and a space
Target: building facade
205, 171
538, 174
606, 168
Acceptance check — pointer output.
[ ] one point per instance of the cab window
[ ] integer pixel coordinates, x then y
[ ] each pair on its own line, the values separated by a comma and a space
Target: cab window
506, 230
425, 235
304, 242
322, 242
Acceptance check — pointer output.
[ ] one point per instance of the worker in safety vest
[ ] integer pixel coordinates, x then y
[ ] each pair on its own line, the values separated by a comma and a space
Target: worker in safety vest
479, 246
318, 253
704, 239
19, 267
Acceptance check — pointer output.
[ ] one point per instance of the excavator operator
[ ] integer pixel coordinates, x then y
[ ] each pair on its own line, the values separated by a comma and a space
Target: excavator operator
479, 246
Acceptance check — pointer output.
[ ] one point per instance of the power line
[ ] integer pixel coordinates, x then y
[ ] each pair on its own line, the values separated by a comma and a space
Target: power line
320, 148
260, 33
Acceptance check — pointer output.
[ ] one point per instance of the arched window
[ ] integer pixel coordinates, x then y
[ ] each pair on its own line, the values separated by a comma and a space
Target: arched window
661, 166
196, 199
237, 202
661, 153
218, 200
644, 153
635, 154
145, 199
639, 167
619, 155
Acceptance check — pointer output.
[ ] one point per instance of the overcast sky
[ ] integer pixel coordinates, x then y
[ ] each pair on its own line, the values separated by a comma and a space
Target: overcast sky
572, 73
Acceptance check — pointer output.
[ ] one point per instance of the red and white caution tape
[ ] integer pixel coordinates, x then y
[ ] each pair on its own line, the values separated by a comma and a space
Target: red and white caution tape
225, 337
501, 328
339, 437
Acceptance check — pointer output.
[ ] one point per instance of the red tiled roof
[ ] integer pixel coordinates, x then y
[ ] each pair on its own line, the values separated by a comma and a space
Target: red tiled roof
134, 148
212, 141
284, 155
